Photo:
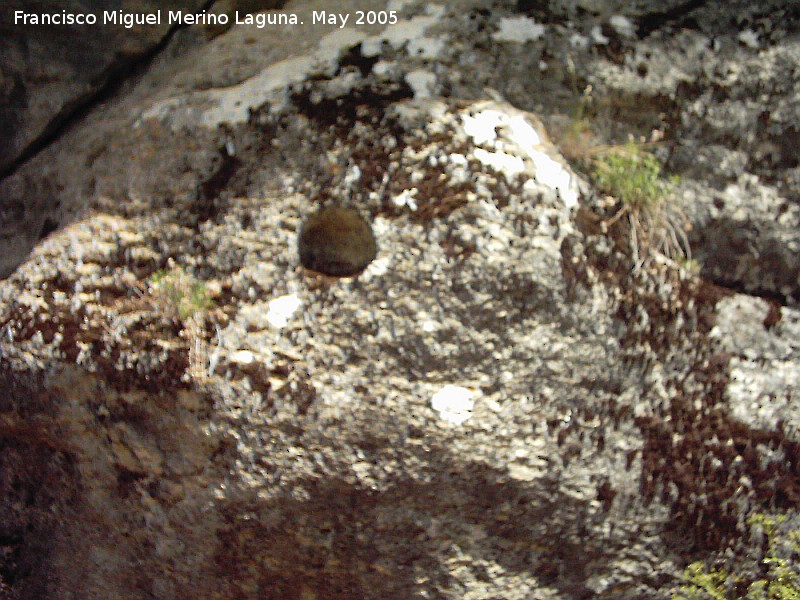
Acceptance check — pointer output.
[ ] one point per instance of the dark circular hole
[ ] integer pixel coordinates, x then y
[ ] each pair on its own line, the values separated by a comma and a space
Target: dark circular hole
336, 241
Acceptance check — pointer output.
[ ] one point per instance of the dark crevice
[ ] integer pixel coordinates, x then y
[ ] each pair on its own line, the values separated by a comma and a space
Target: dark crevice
355, 58
649, 23
770, 296
208, 204
48, 227
117, 74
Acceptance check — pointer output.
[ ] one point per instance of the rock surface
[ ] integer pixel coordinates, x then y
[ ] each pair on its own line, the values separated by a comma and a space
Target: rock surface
51, 74
500, 406
49, 71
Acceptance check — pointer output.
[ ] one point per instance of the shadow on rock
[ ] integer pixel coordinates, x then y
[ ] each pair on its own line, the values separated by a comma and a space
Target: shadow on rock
335, 539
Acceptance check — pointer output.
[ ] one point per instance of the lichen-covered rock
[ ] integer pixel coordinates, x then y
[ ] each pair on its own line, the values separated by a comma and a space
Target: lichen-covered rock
725, 93
762, 338
499, 405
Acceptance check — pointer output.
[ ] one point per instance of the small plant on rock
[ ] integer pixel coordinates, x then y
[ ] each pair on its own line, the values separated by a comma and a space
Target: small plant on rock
632, 176
181, 295
182, 292
779, 575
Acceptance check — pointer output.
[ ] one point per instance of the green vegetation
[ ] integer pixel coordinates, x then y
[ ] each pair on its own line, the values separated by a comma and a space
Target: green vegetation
702, 584
632, 176
182, 292
780, 575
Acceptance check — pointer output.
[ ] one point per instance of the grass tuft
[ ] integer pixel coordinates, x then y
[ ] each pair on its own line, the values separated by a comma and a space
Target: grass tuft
182, 292
632, 176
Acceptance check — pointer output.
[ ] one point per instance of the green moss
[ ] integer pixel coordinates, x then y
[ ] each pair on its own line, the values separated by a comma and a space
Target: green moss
780, 575
702, 584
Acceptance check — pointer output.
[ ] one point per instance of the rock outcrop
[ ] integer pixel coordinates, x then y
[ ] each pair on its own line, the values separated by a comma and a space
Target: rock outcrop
54, 66
505, 403
52, 69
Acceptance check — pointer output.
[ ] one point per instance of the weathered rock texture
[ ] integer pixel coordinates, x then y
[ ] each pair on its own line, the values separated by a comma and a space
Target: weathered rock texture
48, 71
605, 424
50, 75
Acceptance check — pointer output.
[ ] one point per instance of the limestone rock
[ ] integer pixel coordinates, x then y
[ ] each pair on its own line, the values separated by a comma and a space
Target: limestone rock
500, 405
50, 70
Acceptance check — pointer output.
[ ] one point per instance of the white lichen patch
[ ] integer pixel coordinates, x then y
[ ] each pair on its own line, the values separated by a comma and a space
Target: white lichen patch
512, 145
281, 310
406, 199
482, 127
553, 174
233, 104
411, 31
422, 82
518, 30
377, 268
749, 38
243, 357
500, 161
453, 403
623, 26
598, 37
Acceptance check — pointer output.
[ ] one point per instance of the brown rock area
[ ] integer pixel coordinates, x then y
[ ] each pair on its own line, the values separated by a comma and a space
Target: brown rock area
505, 403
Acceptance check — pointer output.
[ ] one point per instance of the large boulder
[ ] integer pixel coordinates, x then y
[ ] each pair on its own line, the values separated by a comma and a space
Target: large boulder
504, 403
